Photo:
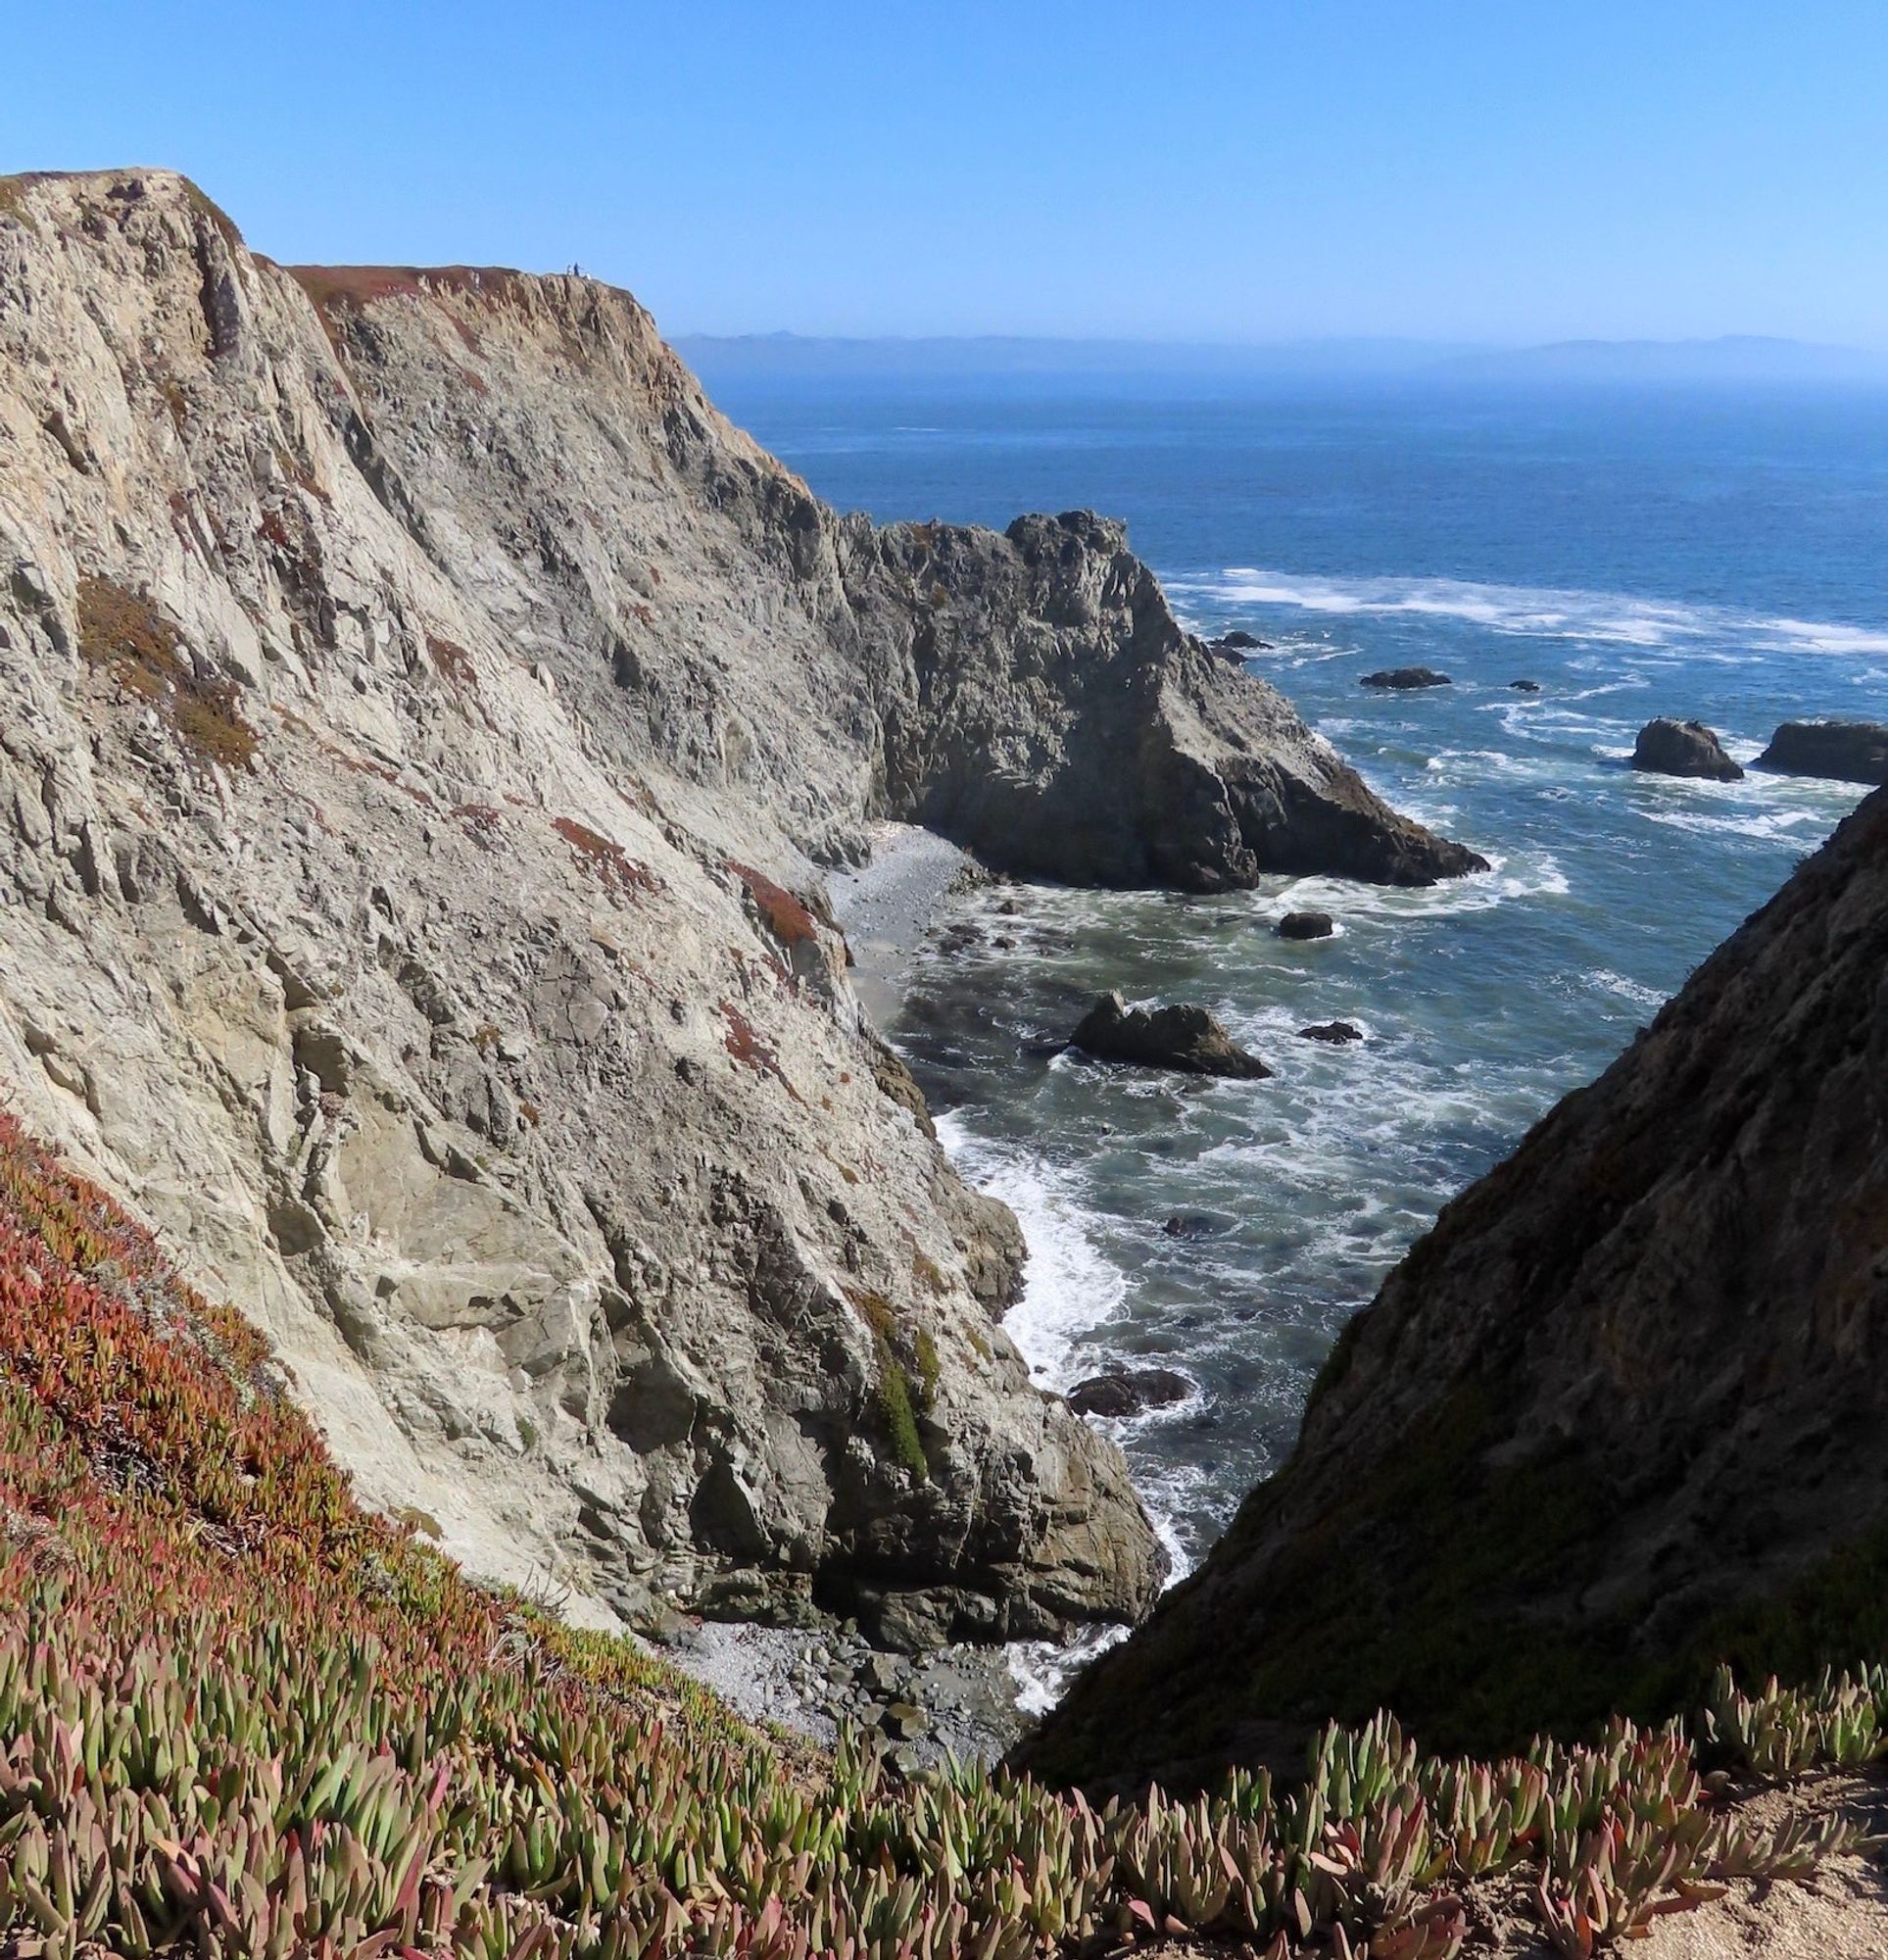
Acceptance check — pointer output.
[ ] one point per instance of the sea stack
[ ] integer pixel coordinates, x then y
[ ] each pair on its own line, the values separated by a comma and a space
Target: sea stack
1669, 748
1841, 752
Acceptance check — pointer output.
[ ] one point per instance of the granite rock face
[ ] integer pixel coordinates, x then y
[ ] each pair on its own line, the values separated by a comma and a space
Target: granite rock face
1844, 752
1669, 748
417, 710
1618, 1415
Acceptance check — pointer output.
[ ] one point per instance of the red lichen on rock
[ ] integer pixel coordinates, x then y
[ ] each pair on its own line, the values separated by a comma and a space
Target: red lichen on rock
787, 918
609, 862
452, 660
750, 1051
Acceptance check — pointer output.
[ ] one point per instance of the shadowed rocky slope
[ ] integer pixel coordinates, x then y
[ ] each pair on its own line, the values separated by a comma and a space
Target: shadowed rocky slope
1624, 1411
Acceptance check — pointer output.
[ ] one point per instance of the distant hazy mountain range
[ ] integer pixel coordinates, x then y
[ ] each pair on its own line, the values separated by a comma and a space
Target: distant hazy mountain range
1732, 359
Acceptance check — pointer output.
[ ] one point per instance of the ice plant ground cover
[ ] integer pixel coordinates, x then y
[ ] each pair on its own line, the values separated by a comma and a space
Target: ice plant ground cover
240, 1715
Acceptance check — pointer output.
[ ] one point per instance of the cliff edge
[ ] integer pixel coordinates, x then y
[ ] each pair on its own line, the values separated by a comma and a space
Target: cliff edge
454, 999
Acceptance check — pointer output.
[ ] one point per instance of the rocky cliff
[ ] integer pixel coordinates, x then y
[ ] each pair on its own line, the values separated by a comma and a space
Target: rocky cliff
417, 711
1623, 1412
1031, 696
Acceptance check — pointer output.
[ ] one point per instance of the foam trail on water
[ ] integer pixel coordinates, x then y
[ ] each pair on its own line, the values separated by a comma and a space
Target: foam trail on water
1538, 612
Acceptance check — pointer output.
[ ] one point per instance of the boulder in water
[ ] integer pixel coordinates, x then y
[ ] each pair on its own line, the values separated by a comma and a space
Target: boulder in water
1307, 925
1196, 1225
1525, 686
1842, 751
1335, 1033
1122, 1391
1669, 748
1406, 677
1181, 1037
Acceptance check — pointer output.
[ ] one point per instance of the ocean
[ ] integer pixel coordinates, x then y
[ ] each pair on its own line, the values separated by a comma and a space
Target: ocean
1716, 554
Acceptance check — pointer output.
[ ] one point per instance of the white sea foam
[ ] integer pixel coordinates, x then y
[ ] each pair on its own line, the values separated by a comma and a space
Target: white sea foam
1069, 1285
1609, 982
1767, 826
1819, 637
1537, 612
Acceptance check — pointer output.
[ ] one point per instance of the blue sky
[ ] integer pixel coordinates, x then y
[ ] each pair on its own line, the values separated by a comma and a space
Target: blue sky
1523, 170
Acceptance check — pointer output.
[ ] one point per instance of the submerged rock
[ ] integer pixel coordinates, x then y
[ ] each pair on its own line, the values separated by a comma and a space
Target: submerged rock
1406, 677
1181, 1037
1336, 1032
1307, 925
1842, 751
1123, 1391
1669, 748
1196, 1225
1525, 686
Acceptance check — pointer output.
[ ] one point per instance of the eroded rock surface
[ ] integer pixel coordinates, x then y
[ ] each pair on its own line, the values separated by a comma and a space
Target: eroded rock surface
416, 706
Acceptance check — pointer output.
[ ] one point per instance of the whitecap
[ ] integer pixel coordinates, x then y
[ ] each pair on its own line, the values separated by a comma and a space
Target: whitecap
1609, 982
1538, 612
1069, 1285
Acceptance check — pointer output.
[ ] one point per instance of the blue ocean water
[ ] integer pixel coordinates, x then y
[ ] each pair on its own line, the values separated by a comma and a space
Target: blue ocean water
1635, 552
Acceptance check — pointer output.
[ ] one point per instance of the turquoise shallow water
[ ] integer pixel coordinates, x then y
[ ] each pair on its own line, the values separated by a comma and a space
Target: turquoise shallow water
1634, 554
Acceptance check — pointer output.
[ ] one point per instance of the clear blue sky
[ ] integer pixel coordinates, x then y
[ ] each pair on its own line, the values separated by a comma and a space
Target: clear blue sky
1509, 170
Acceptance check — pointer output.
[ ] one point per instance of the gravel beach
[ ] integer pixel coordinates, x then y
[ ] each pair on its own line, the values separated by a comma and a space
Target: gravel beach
889, 904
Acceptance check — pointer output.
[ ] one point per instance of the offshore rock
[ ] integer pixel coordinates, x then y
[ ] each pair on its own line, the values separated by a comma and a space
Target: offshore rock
1669, 748
1125, 1392
1843, 751
1403, 678
1617, 1417
1184, 1037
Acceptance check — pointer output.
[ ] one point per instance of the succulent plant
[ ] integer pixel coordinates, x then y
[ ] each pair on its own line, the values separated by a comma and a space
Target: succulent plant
241, 1716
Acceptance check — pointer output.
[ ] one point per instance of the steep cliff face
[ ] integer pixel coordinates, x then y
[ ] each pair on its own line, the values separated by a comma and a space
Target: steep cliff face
417, 710
440, 988
1623, 1412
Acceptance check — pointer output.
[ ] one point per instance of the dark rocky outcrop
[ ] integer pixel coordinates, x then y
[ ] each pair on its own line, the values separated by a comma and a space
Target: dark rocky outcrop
1525, 686
1335, 1033
1621, 1413
1843, 751
1125, 1392
1406, 678
1307, 925
1042, 707
1669, 748
1181, 1037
